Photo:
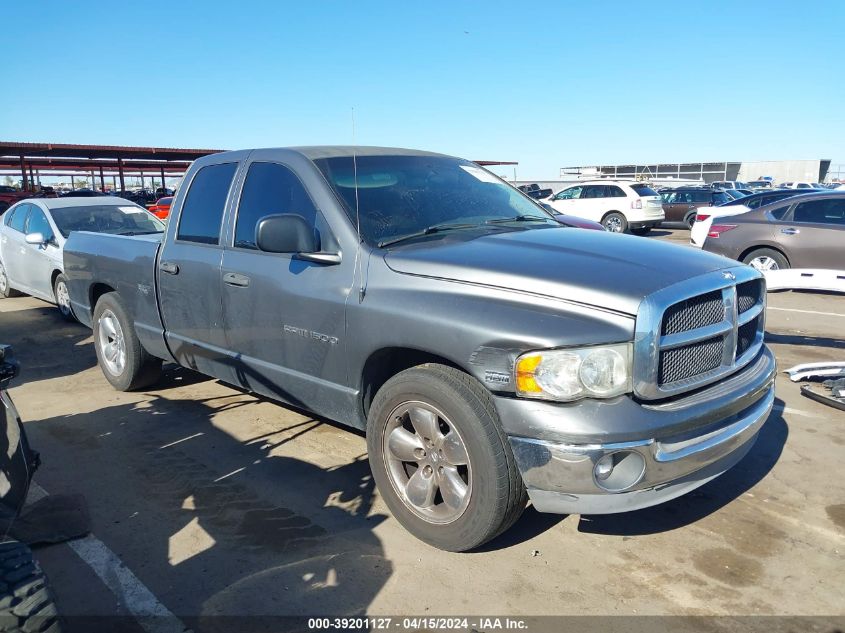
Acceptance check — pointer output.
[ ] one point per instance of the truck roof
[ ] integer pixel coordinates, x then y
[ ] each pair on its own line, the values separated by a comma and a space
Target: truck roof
313, 152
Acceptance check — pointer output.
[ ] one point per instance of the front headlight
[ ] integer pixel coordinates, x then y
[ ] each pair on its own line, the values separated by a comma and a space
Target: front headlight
569, 374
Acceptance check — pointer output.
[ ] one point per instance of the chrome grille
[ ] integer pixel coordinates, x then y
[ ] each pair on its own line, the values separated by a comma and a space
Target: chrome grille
694, 312
692, 334
685, 362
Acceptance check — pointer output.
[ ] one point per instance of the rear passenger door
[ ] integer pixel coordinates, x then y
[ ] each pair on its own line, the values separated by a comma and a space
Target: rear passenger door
189, 283
813, 234
285, 317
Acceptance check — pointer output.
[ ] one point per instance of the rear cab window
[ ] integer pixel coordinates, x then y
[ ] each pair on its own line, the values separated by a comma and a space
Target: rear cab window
202, 211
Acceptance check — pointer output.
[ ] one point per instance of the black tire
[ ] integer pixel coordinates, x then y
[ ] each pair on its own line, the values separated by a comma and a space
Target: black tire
139, 369
64, 309
643, 230
690, 220
4, 206
497, 496
776, 256
26, 602
615, 222
6, 290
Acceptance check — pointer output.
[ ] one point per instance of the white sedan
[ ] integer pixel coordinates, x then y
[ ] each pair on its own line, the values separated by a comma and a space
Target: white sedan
33, 233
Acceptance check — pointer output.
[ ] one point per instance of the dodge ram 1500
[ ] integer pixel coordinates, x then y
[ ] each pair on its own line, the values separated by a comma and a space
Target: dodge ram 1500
490, 353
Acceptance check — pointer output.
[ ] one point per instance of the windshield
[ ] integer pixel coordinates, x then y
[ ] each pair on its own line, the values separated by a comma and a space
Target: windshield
733, 193
114, 219
409, 195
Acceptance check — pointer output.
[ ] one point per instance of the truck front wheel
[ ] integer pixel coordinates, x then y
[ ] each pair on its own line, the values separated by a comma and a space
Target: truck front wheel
124, 362
441, 460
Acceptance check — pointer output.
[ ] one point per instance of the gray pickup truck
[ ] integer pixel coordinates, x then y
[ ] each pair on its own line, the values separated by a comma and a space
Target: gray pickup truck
490, 353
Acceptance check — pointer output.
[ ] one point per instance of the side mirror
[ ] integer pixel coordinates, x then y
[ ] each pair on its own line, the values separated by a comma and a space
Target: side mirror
35, 238
290, 233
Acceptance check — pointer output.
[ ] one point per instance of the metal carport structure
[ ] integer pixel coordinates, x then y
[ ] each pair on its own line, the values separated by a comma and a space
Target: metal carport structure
30, 160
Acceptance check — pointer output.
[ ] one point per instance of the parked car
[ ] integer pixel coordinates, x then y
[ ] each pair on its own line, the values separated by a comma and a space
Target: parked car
681, 204
487, 351
161, 209
704, 218
621, 206
800, 232
83, 193
756, 185
800, 185
9, 196
578, 223
533, 191
33, 234
26, 602
729, 184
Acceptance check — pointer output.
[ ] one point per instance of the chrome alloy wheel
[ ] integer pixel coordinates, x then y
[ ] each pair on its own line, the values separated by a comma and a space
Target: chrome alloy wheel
111, 342
63, 298
427, 462
613, 224
764, 263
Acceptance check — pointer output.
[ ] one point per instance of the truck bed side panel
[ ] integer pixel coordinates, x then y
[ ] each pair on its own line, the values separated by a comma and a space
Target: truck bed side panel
126, 264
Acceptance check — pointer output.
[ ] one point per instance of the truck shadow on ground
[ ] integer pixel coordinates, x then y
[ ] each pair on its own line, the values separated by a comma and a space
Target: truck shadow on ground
229, 535
799, 339
704, 501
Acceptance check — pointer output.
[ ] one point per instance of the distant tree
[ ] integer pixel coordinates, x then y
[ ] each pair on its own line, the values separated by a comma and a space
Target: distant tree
80, 183
8, 180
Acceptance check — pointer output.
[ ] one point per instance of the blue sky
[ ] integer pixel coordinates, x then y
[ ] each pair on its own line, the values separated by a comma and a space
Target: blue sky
545, 83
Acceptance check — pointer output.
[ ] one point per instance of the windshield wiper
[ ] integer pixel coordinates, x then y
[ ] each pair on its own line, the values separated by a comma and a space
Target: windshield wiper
520, 218
429, 230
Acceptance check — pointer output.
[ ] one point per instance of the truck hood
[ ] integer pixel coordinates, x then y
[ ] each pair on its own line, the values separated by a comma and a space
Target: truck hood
595, 268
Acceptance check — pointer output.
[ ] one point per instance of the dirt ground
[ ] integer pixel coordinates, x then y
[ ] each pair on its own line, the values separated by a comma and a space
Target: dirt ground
221, 503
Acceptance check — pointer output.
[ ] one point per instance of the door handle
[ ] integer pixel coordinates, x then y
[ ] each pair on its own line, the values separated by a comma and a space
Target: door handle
236, 279
169, 267
790, 231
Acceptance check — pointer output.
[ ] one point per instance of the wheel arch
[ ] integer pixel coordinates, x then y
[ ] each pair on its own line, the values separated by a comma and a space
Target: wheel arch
757, 247
386, 362
96, 291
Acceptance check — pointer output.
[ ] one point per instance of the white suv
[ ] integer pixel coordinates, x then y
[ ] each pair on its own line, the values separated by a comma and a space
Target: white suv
621, 206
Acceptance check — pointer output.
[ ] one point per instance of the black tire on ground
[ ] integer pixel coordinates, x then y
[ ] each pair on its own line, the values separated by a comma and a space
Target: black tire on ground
615, 222
140, 369
497, 495
5, 289
780, 262
64, 309
690, 220
643, 230
26, 602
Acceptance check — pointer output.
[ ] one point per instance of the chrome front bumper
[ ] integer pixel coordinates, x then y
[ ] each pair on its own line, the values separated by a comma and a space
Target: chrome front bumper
559, 475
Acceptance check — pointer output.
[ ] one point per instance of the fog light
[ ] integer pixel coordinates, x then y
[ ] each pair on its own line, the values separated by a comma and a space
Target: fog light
604, 467
619, 471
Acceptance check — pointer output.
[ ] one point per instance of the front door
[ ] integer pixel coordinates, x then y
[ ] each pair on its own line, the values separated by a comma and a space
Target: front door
39, 258
285, 317
189, 274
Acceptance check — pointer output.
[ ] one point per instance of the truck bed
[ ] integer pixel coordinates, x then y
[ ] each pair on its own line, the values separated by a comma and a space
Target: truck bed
123, 263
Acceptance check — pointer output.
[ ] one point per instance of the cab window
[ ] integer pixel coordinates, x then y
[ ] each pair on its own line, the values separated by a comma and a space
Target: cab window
270, 189
202, 211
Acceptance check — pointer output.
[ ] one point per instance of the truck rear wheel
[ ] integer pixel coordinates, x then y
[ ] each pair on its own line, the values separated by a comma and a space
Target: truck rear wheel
441, 460
124, 362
